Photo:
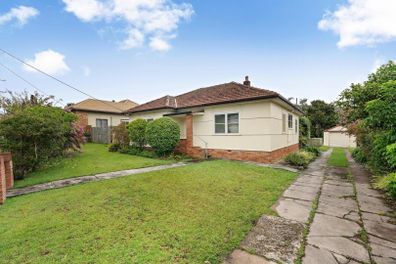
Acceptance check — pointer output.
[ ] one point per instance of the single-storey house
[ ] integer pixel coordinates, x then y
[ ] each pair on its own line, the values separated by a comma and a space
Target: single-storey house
338, 137
231, 120
101, 113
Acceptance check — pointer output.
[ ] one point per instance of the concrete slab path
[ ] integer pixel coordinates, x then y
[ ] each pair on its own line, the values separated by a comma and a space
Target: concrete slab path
350, 222
90, 178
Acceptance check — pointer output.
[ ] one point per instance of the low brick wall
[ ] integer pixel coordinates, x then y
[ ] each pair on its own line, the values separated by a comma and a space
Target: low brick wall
6, 175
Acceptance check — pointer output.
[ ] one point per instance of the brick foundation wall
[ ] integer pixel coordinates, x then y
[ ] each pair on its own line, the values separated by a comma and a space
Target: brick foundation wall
245, 155
186, 147
6, 175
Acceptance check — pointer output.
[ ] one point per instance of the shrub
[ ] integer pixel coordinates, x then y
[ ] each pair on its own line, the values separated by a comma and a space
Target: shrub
114, 147
133, 150
388, 184
391, 155
36, 134
163, 135
313, 150
137, 132
300, 158
120, 135
358, 155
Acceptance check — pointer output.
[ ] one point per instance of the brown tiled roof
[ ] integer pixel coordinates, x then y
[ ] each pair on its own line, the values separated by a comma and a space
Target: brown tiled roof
93, 105
217, 94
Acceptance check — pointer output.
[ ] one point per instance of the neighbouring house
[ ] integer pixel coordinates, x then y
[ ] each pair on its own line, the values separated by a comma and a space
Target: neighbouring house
231, 120
101, 113
338, 137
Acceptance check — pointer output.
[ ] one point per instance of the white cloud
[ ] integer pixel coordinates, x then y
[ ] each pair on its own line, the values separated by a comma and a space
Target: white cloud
48, 61
20, 14
157, 43
362, 22
86, 71
156, 20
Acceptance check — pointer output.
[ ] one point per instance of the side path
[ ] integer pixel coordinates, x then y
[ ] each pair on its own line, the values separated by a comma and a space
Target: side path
277, 239
90, 178
379, 227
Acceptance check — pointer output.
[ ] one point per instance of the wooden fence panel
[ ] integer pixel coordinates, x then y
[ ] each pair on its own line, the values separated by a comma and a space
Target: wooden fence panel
101, 135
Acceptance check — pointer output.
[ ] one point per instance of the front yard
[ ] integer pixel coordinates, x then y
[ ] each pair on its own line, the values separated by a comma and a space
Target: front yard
190, 214
94, 158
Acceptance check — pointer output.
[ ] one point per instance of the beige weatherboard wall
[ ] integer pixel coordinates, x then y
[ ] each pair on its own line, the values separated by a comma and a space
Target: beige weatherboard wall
338, 137
260, 126
112, 119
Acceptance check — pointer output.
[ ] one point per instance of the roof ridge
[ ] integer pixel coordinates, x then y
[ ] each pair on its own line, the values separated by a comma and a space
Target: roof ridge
202, 88
254, 87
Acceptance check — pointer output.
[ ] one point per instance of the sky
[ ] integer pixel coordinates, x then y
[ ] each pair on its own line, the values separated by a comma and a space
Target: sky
145, 49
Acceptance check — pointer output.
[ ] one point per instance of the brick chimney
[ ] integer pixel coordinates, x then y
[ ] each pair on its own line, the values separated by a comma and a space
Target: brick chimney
246, 82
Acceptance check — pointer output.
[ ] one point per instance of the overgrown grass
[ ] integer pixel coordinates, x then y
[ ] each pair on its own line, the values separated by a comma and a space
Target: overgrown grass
338, 158
95, 158
324, 148
190, 214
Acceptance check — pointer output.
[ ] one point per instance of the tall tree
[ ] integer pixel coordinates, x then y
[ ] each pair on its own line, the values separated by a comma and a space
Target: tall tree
322, 116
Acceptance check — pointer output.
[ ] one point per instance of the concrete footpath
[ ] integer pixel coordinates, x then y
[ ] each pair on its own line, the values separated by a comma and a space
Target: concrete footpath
343, 218
90, 178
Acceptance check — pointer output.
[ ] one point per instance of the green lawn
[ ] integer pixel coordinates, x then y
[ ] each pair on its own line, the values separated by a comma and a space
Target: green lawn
338, 158
95, 158
181, 215
323, 148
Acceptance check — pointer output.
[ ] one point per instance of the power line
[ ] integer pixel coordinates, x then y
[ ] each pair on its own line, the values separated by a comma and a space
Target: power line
26, 81
56, 79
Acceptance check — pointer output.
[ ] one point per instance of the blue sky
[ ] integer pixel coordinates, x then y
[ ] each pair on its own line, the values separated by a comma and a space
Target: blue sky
117, 52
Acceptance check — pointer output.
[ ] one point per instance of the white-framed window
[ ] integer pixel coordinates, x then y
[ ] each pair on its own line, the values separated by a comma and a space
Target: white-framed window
125, 121
290, 121
296, 126
227, 123
284, 123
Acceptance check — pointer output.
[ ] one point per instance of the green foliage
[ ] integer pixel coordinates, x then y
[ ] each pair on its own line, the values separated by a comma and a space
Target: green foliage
163, 135
305, 130
388, 184
358, 155
134, 150
11, 102
114, 147
322, 116
137, 132
370, 114
391, 155
120, 135
313, 150
36, 134
300, 158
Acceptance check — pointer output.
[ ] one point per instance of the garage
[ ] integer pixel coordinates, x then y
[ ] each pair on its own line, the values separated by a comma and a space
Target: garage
338, 137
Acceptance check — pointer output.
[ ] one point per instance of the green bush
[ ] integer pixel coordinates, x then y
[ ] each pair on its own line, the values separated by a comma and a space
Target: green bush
163, 135
358, 155
388, 184
37, 134
391, 155
300, 158
313, 150
137, 132
133, 150
120, 135
114, 147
